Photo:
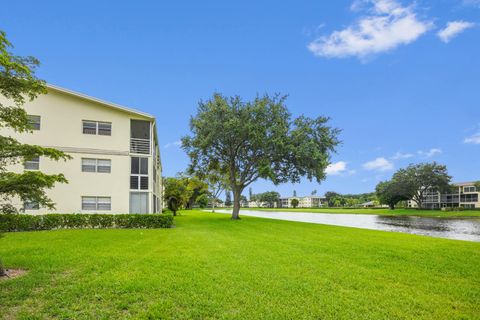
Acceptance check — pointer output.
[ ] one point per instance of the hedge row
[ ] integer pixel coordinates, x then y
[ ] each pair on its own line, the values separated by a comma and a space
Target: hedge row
24, 222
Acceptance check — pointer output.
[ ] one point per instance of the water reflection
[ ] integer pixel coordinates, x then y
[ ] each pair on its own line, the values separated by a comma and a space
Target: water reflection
449, 228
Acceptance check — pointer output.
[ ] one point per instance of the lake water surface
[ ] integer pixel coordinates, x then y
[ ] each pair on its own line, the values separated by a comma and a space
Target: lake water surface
450, 228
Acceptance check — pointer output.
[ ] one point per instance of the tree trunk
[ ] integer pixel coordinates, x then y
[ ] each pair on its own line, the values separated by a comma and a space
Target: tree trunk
392, 206
213, 205
237, 192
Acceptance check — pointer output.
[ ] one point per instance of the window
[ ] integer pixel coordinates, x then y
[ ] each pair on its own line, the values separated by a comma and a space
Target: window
469, 197
95, 127
139, 202
31, 205
96, 165
469, 189
32, 164
89, 127
34, 122
104, 128
96, 203
139, 173
104, 166
104, 203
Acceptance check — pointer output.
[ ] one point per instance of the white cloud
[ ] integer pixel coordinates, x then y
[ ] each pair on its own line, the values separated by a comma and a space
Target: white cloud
177, 143
387, 26
430, 153
400, 155
475, 139
453, 29
380, 164
336, 168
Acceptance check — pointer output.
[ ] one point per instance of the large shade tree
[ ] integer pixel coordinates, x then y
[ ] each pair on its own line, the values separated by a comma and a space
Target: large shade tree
417, 179
390, 193
269, 197
249, 140
19, 84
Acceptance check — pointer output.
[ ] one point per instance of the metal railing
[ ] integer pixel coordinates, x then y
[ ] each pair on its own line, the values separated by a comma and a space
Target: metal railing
141, 146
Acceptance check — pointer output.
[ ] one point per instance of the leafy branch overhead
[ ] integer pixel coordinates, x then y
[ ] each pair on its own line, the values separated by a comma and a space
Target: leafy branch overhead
256, 139
19, 84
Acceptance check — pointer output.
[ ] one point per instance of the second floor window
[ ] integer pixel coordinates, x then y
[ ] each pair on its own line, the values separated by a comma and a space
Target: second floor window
96, 165
32, 164
34, 122
469, 189
96, 127
139, 173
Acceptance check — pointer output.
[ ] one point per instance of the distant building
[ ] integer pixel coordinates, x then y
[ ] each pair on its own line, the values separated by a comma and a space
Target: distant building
259, 204
372, 204
466, 195
303, 202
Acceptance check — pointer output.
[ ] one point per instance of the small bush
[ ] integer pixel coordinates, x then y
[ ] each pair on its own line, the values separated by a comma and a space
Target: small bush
450, 209
23, 222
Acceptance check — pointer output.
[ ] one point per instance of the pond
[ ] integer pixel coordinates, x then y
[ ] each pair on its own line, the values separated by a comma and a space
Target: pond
450, 228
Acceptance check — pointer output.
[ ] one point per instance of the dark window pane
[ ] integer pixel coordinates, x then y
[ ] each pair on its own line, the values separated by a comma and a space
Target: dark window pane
34, 122
104, 203
144, 165
89, 127
135, 165
89, 203
104, 128
89, 165
140, 129
134, 182
32, 164
104, 166
31, 205
144, 183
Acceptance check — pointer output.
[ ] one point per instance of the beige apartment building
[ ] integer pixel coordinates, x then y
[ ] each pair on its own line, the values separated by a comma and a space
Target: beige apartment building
303, 202
115, 165
465, 195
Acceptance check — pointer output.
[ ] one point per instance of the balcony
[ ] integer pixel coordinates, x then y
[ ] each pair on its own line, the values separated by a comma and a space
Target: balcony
141, 146
140, 136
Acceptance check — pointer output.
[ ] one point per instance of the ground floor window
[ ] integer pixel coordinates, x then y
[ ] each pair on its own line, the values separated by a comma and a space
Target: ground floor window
139, 202
97, 203
31, 205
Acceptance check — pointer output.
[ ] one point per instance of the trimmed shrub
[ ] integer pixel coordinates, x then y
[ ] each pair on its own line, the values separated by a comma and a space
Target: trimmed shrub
23, 222
450, 209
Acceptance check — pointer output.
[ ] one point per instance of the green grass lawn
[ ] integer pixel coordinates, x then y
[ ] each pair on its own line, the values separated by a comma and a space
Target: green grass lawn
396, 212
211, 267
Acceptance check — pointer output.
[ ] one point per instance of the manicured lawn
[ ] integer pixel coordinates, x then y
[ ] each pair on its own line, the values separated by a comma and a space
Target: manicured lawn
211, 267
396, 212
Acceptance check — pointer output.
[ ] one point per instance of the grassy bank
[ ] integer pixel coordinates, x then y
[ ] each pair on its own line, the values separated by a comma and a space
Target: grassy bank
211, 267
396, 212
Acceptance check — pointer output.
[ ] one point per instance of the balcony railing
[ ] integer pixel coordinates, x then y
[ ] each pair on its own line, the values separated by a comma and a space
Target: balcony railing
141, 146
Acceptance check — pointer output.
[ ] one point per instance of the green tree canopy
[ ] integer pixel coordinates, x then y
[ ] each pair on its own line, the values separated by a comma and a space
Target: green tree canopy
19, 84
295, 203
258, 139
416, 179
390, 193
270, 197
176, 192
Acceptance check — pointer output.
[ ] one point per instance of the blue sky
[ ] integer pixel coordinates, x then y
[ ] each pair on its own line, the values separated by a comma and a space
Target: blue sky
401, 78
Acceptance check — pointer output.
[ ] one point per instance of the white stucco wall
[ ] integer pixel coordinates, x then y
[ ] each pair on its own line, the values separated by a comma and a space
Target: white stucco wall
61, 127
